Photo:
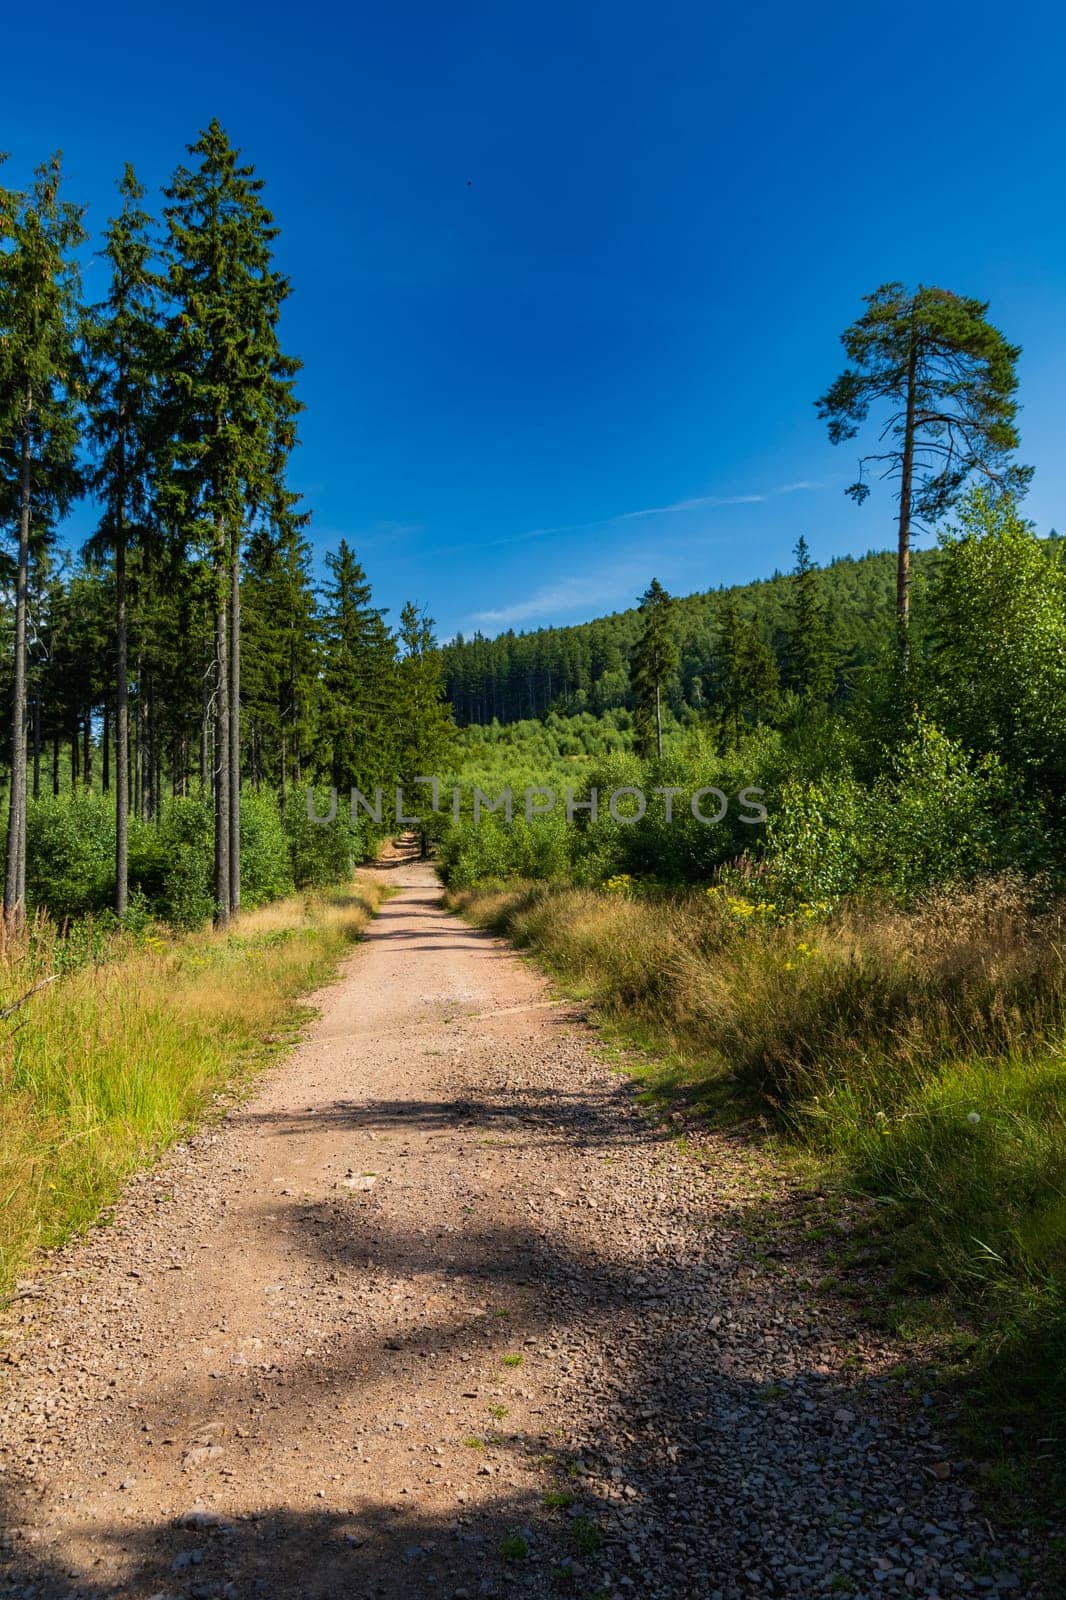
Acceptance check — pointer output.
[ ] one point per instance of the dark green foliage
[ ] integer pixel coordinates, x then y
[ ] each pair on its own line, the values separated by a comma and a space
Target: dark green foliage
964, 382
653, 663
358, 741
125, 352
230, 420
516, 677
809, 654
280, 656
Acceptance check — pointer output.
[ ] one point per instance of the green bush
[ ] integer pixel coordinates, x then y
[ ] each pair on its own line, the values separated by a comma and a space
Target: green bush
185, 842
935, 816
266, 866
323, 853
70, 854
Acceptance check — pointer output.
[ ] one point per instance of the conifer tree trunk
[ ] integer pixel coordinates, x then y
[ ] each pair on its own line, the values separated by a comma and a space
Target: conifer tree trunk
222, 763
55, 764
122, 725
14, 910
903, 565
658, 722
87, 744
21, 885
235, 731
105, 750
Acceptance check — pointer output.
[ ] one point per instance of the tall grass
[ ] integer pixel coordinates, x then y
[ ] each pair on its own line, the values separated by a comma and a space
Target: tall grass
919, 1053
109, 1062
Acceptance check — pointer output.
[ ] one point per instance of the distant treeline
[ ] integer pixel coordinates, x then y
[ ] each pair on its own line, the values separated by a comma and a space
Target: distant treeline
586, 667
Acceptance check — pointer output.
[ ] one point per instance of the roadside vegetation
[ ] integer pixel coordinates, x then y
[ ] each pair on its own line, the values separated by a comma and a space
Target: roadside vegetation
916, 1054
124, 1040
874, 975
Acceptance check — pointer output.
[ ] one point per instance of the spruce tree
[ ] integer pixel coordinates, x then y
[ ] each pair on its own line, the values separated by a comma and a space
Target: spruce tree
280, 647
424, 726
810, 656
746, 676
125, 351
39, 287
655, 658
232, 413
358, 656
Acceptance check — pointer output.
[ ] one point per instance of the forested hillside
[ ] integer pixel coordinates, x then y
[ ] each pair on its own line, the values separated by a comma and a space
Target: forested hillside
516, 676
585, 667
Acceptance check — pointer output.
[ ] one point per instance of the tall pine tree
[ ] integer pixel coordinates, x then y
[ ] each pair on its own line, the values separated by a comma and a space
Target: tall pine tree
125, 353
358, 656
39, 287
232, 418
654, 661
944, 380
810, 656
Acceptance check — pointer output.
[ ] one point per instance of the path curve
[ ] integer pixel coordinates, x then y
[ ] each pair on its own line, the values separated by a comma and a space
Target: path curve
439, 1270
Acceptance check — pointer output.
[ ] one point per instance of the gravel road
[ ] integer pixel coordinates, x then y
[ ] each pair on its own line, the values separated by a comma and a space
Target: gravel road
440, 1312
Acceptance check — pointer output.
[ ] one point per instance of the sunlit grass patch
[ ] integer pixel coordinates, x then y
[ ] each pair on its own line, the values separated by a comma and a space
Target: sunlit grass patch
111, 1062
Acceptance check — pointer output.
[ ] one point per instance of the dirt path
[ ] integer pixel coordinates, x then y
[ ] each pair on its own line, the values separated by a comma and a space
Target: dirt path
437, 1268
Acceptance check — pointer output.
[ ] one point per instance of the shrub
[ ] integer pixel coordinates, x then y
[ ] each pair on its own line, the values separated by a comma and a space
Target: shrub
185, 842
935, 816
266, 866
323, 853
70, 853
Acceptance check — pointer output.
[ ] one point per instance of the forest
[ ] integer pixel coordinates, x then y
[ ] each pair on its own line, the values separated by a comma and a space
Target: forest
875, 975
178, 682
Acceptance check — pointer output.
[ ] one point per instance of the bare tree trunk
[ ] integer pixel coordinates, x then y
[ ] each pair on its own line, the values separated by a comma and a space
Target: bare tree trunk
903, 566
122, 722
222, 765
235, 731
87, 738
105, 750
55, 763
21, 887
14, 909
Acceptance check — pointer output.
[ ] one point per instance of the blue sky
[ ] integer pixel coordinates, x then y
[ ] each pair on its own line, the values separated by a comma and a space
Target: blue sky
568, 278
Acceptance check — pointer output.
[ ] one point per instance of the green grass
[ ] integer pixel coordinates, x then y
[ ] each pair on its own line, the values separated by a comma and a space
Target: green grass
584, 1535
915, 1058
116, 1059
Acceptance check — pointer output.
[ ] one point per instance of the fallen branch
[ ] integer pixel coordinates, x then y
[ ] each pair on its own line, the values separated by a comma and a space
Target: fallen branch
11, 1009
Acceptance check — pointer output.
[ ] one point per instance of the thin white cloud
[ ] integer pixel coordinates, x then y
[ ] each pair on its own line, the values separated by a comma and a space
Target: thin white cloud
699, 503
569, 594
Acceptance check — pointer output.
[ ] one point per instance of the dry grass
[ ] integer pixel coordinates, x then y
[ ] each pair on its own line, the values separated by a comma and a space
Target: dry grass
110, 1062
